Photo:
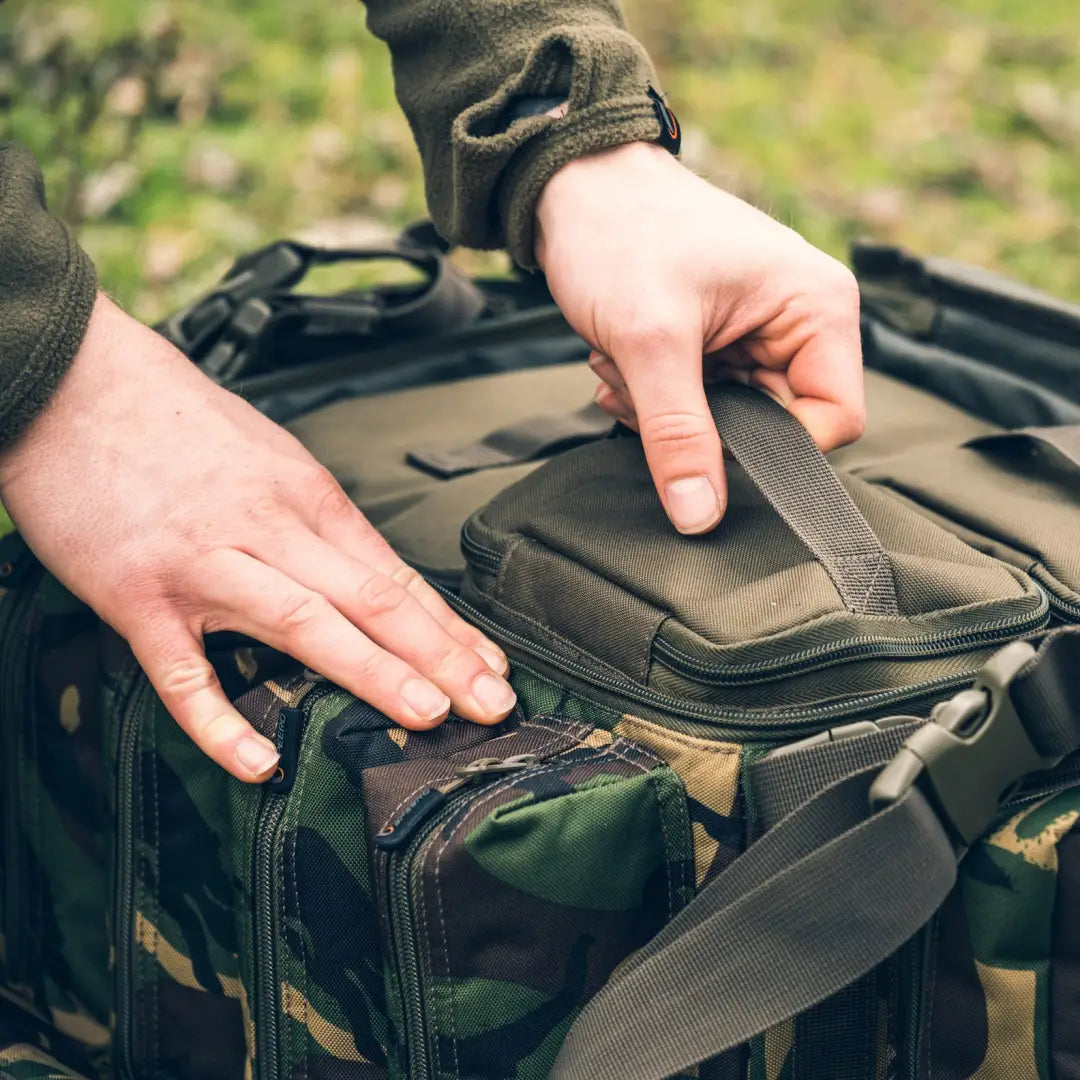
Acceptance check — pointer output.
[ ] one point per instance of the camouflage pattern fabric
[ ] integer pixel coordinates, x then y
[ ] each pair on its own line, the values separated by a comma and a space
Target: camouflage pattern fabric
131, 892
32, 1049
1006, 991
55, 955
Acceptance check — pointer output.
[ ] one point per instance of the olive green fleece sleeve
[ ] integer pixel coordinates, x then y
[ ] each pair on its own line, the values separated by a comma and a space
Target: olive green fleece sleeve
458, 66
47, 288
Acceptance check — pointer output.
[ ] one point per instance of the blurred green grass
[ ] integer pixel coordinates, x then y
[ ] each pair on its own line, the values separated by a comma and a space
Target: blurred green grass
177, 134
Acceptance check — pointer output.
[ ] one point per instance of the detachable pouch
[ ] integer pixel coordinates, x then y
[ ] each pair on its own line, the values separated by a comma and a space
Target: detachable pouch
816, 589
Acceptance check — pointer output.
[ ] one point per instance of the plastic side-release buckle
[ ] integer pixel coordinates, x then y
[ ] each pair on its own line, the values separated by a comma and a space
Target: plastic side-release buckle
197, 327
971, 754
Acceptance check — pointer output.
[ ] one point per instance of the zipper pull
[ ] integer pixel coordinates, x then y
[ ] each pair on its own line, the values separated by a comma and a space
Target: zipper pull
290, 727
394, 835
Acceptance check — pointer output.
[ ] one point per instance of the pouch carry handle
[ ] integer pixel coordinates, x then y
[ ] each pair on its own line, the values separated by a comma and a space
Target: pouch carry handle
781, 459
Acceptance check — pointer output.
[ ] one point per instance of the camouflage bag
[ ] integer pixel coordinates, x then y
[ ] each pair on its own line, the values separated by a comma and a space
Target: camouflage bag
719, 838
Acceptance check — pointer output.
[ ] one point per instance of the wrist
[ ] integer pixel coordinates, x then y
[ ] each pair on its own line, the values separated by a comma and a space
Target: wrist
605, 170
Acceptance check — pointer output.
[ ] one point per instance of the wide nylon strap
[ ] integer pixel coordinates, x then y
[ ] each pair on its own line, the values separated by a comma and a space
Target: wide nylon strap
779, 456
820, 900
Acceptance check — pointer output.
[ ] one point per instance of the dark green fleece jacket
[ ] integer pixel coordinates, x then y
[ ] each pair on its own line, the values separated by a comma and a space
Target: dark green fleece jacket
462, 69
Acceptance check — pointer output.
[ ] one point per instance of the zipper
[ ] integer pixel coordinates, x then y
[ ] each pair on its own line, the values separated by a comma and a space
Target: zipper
127, 746
403, 843
476, 553
266, 1010
820, 656
17, 690
745, 723
1064, 609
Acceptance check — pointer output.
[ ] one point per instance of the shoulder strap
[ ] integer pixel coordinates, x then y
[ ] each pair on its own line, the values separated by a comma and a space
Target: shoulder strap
832, 890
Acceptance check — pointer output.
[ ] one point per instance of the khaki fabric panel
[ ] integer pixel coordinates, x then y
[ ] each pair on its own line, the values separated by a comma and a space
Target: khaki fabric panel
900, 416
364, 443
1014, 494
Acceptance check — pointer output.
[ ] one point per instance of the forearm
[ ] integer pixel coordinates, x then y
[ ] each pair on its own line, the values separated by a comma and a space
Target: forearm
458, 67
47, 289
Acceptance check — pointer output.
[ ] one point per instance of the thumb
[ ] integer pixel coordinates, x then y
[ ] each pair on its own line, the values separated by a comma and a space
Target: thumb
663, 373
188, 687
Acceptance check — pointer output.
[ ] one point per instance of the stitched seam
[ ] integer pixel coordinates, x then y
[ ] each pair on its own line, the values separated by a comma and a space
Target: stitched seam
573, 730
708, 746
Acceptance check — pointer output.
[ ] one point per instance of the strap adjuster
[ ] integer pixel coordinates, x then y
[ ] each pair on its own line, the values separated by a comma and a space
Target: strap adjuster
972, 753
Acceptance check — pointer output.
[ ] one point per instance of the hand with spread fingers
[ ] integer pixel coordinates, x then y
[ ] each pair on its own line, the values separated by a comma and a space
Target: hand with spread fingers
673, 282
174, 509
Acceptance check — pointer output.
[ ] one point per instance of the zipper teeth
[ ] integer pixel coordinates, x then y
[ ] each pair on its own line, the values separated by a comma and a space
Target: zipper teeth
267, 822
743, 721
266, 1023
1067, 608
476, 553
125, 799
850, 649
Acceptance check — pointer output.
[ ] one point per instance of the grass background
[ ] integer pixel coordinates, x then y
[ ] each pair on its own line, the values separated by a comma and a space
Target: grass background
175, 135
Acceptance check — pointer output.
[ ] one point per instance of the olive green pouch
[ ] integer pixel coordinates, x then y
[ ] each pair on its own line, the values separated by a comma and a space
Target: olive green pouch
818, 592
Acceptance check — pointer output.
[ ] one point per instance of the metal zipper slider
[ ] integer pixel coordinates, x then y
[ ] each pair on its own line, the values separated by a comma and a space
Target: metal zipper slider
394, 835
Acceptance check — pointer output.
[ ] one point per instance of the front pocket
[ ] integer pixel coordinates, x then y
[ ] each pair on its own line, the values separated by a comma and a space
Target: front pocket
1013, 494
514, 899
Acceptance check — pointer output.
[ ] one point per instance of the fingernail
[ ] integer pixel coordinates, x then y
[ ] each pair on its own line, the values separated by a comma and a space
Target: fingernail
493, 658
256, 755
692, 504
427, 701
493, 695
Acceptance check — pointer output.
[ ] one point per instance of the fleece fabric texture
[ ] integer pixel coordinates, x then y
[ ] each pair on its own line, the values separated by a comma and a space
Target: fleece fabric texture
461, 69
47, 288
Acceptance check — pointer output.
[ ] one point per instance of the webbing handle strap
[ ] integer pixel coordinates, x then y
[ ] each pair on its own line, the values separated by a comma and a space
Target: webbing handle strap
779, 456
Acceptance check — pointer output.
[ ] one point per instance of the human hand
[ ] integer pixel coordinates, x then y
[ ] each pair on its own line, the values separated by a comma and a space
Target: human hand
174, 509
673, 281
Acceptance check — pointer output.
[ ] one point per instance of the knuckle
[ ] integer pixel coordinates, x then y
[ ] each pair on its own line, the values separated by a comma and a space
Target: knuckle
839, 284
675, 430
264, 509
298, 613
187, 677
380, 596
370, 668
330, 501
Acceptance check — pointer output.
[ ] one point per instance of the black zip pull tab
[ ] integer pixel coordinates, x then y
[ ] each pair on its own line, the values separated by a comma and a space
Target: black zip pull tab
394, 835
290, 728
